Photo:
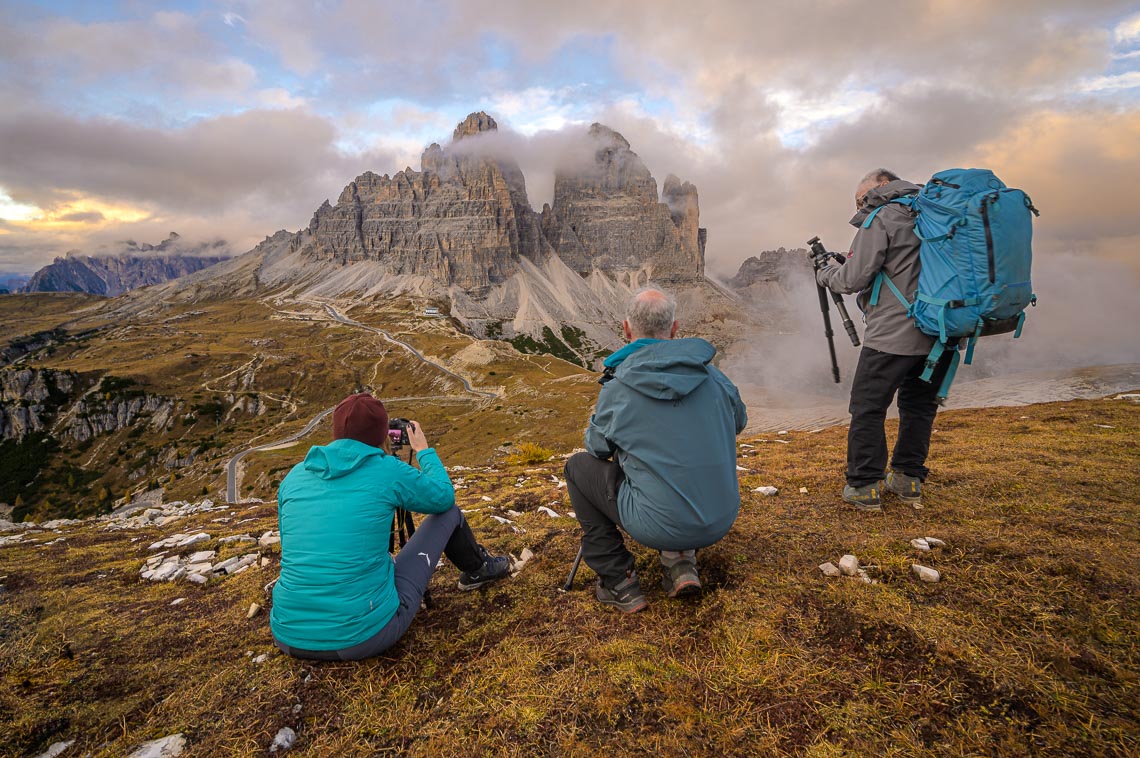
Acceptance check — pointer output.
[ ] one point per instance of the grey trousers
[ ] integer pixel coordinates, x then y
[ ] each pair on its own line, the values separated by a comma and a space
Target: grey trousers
593, 485
445, 532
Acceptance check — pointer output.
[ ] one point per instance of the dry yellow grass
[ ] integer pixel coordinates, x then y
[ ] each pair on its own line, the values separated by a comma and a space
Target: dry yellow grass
1028, 646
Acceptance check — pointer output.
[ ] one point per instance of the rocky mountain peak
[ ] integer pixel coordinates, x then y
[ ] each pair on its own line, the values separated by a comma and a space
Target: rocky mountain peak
475, 123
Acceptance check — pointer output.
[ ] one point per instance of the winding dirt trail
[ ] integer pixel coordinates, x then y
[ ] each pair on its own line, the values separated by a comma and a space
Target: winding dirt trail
233, 467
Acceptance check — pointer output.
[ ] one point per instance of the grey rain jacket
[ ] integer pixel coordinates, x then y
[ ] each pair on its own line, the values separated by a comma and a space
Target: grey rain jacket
671, 420
891, 245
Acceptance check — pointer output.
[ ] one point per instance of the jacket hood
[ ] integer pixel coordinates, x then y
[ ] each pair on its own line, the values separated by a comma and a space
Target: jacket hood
667, 369
878, 196
339, 457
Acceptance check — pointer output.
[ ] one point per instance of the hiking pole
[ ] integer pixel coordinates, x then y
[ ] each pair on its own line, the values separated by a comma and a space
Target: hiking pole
573, 570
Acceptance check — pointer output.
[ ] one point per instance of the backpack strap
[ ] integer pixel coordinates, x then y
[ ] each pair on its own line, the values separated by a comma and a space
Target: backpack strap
880, 278
931, 363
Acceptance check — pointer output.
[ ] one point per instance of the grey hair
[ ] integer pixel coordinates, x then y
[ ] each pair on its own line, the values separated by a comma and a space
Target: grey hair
652, 316
876, 177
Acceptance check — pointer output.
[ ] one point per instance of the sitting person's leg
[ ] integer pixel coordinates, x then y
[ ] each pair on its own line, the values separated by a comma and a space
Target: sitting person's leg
414, 564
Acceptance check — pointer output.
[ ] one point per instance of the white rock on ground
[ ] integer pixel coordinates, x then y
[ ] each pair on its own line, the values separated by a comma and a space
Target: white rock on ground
934, 542
518, 563
767, 491
180, 540
803, 490
283, 740
253, 609
261, 658
196, 579
236, 538
269, 538
202, 556
178, 601
849, 565
920, 544
167, 747
830, 569
925, 574
55, 749
1130, 397
548, 511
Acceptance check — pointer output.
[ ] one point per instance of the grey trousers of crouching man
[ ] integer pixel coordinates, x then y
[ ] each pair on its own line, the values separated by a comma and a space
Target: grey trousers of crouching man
593, 485
446, 533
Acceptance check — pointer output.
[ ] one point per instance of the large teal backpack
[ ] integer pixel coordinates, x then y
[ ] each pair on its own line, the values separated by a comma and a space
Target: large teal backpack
976, 253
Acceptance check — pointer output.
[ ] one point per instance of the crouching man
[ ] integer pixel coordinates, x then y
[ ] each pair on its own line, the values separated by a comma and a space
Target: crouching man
662, 456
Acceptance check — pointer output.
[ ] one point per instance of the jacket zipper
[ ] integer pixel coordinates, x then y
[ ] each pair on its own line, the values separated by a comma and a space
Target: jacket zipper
989, 234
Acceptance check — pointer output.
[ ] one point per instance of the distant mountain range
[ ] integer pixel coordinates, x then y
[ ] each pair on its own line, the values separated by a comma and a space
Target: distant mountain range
134, 265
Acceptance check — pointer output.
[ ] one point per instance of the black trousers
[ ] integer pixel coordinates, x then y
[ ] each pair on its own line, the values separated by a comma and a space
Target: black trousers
593, 486
878, 377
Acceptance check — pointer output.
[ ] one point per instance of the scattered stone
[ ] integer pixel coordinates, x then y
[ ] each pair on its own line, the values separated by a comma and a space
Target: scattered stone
269, 538
741, 468
55, 749
178, 601
180, 540
486, 499
1098, 426
196, 579
283, 740
199, 568
920, 544
264, 562
202, 556
925, 574
236, 538
782, 432
518, 563
548, 511
830, 569
513, 514
167, 747
501, 520
865, 577
803, 490
767, 491
1131, 397
849, 565
297, 709
253, 609
261, 658
934, 542
235, 564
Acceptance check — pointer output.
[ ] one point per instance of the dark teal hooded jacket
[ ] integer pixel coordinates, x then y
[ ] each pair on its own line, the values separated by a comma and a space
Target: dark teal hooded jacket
671, 420
337, 586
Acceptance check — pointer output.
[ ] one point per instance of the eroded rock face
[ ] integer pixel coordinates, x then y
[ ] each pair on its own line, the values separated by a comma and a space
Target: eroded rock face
464, 220
770, 266
29, 399
606, 216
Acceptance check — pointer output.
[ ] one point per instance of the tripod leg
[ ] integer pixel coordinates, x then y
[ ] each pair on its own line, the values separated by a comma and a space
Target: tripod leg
573, 571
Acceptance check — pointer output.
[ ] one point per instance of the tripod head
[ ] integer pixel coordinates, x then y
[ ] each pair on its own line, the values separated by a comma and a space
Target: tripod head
820, 255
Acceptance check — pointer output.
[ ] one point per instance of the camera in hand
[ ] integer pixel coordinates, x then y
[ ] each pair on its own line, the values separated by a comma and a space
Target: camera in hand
398, 432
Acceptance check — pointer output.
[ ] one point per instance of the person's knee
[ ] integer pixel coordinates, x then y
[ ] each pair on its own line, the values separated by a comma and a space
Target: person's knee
574, 465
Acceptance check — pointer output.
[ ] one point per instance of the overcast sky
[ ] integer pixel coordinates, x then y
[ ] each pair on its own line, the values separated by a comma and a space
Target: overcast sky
235, 119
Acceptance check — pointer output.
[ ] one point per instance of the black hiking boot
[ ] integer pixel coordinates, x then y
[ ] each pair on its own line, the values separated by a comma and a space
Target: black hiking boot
865, 498
494, 568
625, 596
908, 488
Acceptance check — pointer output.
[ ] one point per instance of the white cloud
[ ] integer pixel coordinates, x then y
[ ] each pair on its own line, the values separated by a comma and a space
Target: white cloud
1128, 30
1127, 80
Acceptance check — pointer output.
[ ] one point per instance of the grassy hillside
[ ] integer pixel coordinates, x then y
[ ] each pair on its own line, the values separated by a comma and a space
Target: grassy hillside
1028, 645
243, 373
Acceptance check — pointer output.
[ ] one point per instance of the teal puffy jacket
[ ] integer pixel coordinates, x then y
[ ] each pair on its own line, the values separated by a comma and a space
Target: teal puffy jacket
671, 419
335, 512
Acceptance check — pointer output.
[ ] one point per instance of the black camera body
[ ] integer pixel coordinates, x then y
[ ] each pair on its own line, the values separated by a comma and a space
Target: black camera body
398, 432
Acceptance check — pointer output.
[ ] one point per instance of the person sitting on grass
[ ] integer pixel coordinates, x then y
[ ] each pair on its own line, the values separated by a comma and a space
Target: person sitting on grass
341, 596
661, 460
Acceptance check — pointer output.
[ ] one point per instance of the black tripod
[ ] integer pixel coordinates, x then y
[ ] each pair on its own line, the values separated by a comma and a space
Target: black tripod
819, 256
403, 527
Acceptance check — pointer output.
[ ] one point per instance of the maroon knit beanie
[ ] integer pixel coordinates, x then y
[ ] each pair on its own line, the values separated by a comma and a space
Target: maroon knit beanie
362, 418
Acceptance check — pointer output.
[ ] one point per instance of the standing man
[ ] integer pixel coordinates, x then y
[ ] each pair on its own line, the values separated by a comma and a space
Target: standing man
894, 350
662, 456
